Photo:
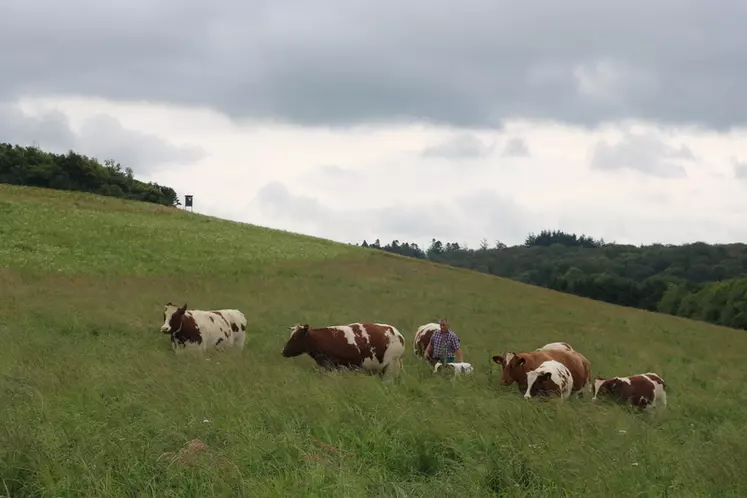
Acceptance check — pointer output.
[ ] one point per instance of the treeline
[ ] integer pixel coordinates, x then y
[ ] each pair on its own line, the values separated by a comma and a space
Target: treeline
699, 281
30, 166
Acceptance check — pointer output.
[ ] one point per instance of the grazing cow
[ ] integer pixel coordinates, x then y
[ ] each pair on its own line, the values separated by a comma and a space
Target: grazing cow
562, 346
199, 329
423, 338
641, 391
457, 367
371, 347
517, 365
551, 378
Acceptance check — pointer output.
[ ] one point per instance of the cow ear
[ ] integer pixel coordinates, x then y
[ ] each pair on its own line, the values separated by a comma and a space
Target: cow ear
498, 359
520, 361
184, 307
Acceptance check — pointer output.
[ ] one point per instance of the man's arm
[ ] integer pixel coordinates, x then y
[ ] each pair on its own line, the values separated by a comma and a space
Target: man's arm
458, 349
459, 353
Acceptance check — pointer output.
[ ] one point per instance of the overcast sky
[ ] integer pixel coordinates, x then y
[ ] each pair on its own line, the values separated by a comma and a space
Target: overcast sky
401, 120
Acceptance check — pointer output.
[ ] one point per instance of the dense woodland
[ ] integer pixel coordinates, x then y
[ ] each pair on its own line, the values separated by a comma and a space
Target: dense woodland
33, 167
700, 281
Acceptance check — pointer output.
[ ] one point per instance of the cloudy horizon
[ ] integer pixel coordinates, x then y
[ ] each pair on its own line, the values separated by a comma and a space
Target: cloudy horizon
365, 120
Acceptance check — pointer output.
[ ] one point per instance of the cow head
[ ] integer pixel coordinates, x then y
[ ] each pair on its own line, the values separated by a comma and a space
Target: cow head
607, 387
297, 342
514, 369
172, 318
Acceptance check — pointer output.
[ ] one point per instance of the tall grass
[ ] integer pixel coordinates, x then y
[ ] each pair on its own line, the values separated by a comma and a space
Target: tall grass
94, 403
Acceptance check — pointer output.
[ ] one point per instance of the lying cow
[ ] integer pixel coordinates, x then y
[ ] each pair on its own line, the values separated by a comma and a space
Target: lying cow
457, 368
423, 338
641, 391
562, 346
199, 329
517, 365
551, 378
371, 347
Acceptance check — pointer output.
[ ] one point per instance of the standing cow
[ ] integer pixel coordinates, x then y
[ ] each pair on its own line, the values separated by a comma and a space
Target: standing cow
371, 347
517, 365
642, 391
423, 338
551, 378
202, 330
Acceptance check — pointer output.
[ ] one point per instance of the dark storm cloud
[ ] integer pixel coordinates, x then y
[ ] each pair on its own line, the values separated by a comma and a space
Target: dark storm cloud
102, 137
472, 63
644, 153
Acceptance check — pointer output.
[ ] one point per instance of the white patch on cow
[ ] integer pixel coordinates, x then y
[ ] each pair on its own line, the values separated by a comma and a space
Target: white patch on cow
597, 384
347, 331
508, 357
559, 374
560, 346
660, 394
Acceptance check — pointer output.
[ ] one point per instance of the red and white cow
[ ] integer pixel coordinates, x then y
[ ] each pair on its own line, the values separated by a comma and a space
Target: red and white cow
371, 347
202, 330
643, 391
551, 378
562, 346
423, 338
516, 366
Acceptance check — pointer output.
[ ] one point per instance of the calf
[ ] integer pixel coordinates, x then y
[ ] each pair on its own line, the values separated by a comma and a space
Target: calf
371, 347
423, 338
641, 391
457, 367
199, 329
562, 346
517, 365
551, 378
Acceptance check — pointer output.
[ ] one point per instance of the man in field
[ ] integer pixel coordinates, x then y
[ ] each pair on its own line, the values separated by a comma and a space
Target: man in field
444, 345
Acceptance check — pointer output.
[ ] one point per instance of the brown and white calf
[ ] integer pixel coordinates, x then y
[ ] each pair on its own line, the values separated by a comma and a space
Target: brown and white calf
371, 347
642, 391
516, 366
202, 330
423, 338
551, 378
562, 346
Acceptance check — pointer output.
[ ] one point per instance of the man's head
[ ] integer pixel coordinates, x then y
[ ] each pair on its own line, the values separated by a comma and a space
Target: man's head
444, 325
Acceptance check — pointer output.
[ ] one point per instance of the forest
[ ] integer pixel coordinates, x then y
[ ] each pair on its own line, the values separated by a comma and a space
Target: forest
30, 166
700, 281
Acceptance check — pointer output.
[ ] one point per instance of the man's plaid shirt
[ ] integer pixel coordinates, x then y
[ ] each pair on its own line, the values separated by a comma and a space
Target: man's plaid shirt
444, 346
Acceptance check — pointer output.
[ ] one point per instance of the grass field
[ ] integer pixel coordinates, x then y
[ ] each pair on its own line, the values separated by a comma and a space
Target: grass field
93, 402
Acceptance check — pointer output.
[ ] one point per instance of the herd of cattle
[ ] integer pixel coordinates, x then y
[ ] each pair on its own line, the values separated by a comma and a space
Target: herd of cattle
555, 369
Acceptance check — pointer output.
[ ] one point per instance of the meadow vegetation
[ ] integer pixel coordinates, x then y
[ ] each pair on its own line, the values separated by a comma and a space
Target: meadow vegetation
94, 402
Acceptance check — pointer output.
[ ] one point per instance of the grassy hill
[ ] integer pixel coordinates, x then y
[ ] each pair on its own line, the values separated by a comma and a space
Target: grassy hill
92, 399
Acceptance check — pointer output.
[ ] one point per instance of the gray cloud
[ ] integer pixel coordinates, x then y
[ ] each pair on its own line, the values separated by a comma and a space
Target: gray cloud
102, 137
344, 63
459, 146
740, 169
644, 153
516, 147
479, 214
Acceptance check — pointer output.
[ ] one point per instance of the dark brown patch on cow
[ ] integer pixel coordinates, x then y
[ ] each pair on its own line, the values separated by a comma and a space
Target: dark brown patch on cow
639, 393
212, 319
220, 339
544, 386
185, 331
243, 327
401, 340
234, 327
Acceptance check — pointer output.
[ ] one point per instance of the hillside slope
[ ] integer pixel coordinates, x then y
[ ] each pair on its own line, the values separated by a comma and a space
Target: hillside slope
93, 400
